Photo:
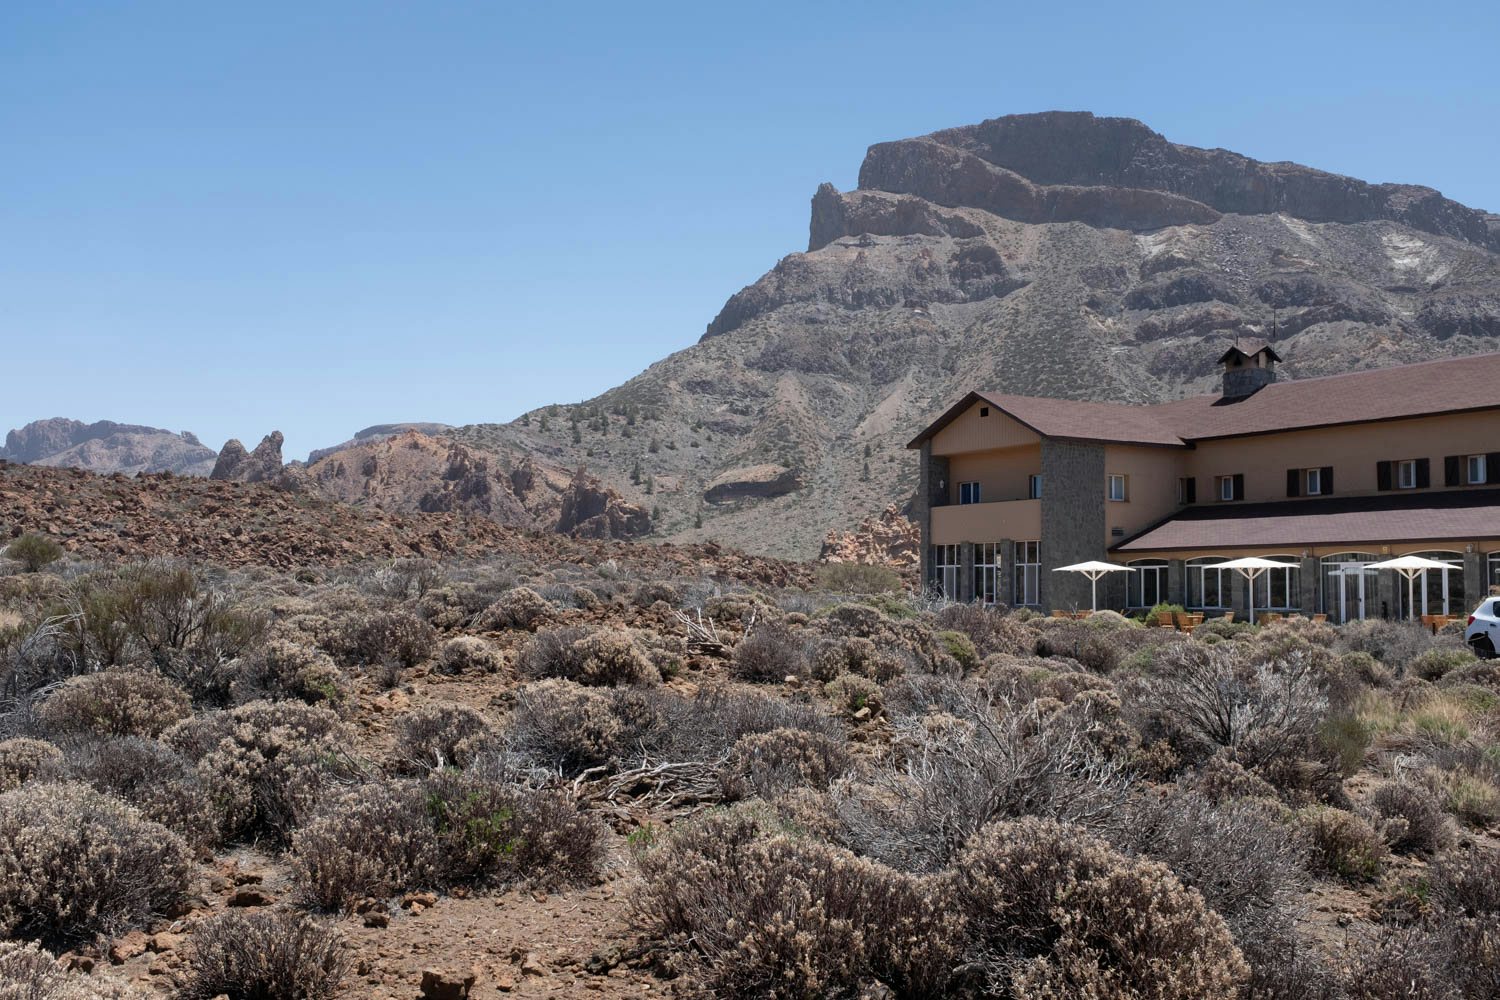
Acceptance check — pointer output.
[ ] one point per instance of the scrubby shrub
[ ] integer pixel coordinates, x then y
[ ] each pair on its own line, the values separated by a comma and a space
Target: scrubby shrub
563, 725
151, 776
33, 551
989, 629
1466, 883
1394, 643
852, 693
394, 635
267, 763
439, 736
774, 916
652, 591
75, 862
375, 840
767, 764
22, 759
960, 648
1422, 828
1094, 649
521, 608
1053, 912
28, 972
1222, 779
1343, 844
858, 578
1472, 799
854, 655
467, 654
285, 669
265, 955
769, 654
599, 657
114, 703
1435, 664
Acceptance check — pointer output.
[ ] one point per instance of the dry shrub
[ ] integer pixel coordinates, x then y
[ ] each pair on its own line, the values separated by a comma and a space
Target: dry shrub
22, 759
564, 725
265, 955
952, 773
1211, 697
959, 647
1394, 643
1466, 883
989, 629
1396, 965
267, 763
114, 703
854, 655
1094, 648
858, 578
769, 653
161, 783
1343, 844
595, 657
439, 736
28, 972
1223, 779
467, 654
288, 670
1052, 912
1423, 825
375, 840
521, 608
1435, 664
450, 608
852, 693
394, 635
75, 863
774, 916
767, 764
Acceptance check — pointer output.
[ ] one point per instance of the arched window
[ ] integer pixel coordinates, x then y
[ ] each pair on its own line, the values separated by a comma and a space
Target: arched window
1434, 591
1280, 589
1148, 584
1209, 587
1494, 574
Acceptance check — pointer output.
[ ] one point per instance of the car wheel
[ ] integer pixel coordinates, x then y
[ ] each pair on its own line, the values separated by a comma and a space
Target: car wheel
1483, 647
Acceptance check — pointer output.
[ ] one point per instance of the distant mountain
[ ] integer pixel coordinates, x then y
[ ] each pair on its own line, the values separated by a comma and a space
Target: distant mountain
106, 447
379, 432
1055, 254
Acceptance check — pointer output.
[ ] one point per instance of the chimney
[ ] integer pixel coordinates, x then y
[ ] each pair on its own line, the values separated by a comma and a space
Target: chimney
1248, 368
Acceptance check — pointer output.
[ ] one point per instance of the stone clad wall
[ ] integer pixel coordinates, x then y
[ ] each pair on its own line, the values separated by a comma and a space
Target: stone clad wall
1072, 520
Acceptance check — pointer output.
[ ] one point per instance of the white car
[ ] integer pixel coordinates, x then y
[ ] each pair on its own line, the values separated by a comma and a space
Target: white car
1483, 633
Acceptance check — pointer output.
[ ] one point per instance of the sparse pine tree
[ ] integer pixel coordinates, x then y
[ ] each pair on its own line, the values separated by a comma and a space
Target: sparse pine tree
650, 484
868, 451
635, 474
698, 518
577, 435
525, 420
654, 446
866, 474
542, 422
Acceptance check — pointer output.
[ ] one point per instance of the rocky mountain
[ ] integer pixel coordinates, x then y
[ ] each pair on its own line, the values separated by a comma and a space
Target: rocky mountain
379, 432
1055, 254
105, 446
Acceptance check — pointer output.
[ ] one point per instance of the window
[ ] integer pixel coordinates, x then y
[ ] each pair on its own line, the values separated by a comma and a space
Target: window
1494, 560
1209, 587
1434, 591
1117, 488
968, 492
1314, 482
1034, 487
1028, 572
1187, 490
987, 572
1406, 474
1148, 584
1226, 487
944, 561
1477, 470
1279, 589
984, 411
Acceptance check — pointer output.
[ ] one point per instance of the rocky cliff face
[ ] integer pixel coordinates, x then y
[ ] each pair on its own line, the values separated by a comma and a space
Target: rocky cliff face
107, 447
1053, 254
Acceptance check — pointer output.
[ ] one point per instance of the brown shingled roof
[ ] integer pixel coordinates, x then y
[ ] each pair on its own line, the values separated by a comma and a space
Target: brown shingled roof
1405, 517
1430, 387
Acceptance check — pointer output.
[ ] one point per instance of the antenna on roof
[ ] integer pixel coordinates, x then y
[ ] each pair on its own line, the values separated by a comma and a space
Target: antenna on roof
1273, 323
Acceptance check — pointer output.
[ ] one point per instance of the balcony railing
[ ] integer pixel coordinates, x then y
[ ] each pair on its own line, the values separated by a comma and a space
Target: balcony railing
987, 522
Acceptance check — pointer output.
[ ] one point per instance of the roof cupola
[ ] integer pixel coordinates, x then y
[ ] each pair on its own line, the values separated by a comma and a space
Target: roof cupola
1248, 368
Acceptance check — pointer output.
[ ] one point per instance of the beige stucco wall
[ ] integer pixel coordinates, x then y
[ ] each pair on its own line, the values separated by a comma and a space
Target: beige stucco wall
987, 522
1151, 486
1352, 451
1002, 473
971, 432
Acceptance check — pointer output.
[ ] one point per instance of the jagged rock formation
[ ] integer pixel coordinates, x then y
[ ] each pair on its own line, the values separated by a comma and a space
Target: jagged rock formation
107, 447
378, 432
592, 510
890, 538
1053, 254
263, 465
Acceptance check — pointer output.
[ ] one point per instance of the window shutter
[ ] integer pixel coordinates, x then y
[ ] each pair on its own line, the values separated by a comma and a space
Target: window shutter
1326, 475
1424, 474
1293, 482
1453, 470
1382, 475
1239, 486
1492, 467
1192, 490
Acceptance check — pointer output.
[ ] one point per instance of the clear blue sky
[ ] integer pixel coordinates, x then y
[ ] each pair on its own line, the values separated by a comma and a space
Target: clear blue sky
315, 216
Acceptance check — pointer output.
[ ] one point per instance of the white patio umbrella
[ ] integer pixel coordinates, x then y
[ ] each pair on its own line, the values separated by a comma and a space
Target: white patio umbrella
1409, 567
1251, 567
1093, 570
